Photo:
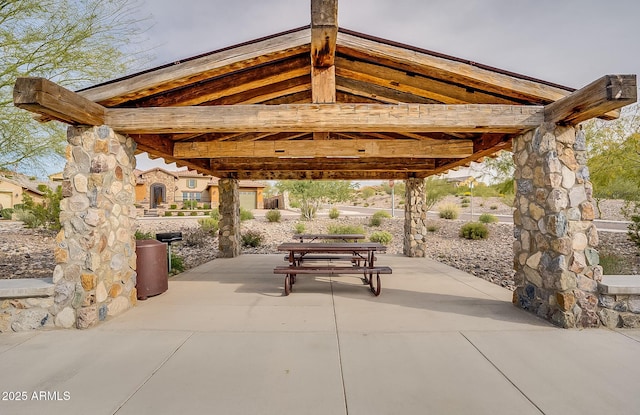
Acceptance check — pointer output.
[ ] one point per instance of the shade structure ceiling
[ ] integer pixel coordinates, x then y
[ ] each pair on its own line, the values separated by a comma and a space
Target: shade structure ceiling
323, 102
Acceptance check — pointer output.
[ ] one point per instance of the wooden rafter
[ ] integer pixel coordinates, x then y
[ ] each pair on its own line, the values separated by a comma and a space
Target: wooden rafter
605, 94
324, 32
322, 163
320, 175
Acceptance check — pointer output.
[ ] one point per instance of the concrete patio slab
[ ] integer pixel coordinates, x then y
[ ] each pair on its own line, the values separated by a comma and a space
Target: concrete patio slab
246, 373
424, 373
82, 371
568, 371
224, 339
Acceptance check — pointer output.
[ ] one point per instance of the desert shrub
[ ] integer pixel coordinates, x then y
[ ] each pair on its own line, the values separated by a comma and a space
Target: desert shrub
449, 211
634, 230
383, 214
432, 228
177, 264
251, 238
464, 205
167, 213
375, 221
493, 207
193, 214
245, 214
273, 215
180, 213
382, 237
6, 213
196, 238
334, 213
215, 214
173, 207
474, 230
209, 225
368, 192
613, 264
345, 229
299, 228
206, 206
189, 204
487, 218
139, 235
465, 200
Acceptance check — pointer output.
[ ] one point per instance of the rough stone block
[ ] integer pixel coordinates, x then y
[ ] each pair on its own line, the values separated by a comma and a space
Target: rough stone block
565, 300
87, 317
563, 319
30, 319
66, 318
609, 318
587, 284
634, 304
630, 320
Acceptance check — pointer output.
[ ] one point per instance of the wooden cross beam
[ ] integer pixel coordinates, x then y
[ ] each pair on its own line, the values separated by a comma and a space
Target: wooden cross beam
347, 149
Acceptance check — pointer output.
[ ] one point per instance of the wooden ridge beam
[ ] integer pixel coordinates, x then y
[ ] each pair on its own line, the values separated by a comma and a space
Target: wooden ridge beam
608, 93
326, 148
44, 97
327, 118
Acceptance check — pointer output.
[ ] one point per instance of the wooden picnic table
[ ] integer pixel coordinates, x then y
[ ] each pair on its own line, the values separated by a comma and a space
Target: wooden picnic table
345, 237
355, 252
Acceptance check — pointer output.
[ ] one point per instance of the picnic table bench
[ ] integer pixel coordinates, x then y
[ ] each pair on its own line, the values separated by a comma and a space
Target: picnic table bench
345, 237
352, 251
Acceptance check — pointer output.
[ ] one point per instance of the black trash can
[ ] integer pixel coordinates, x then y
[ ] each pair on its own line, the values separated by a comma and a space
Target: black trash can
151, 264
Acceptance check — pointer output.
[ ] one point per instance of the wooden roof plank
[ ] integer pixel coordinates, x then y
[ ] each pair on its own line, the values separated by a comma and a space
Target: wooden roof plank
208, 66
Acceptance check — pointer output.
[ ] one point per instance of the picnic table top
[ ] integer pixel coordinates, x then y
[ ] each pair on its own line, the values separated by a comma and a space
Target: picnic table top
343, 236
331, 246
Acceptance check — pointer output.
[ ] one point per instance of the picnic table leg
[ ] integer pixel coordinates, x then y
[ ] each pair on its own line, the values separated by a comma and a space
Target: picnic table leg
375, 288
288, 285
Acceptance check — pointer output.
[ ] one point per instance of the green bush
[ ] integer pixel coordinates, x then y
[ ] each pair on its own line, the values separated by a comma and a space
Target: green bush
382, 214
167, 213
174, 207
474, 230
209, 225
345, 229
493, 207
206, 206
143, 235
613, 264
245, 214
334, 213
251, 238
215, 213
299, 228
449, 211
193, 214
177, 264
487, 218
180, 213
368, 192
465, 200
382, 237
432, 228
273, 215
189, 204
6, 213
375, 221
634, 230
27, 217
464, 205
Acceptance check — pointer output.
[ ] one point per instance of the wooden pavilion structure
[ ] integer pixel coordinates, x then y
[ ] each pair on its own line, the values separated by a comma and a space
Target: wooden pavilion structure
322, 102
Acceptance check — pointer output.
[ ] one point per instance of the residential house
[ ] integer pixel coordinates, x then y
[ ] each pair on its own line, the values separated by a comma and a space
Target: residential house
13, 186
161, 188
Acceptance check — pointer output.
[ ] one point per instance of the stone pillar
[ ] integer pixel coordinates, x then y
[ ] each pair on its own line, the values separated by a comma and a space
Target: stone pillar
556, 263
95, 249
229, 235
415, 216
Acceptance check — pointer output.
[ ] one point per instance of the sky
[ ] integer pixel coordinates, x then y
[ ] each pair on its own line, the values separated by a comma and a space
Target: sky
569, 42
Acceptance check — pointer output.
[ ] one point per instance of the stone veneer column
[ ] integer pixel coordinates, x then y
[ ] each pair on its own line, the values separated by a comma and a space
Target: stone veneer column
415, 216
229, 235
556, 263
95, 250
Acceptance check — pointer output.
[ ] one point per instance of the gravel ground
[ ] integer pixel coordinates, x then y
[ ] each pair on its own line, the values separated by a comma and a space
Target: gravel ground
28, 253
